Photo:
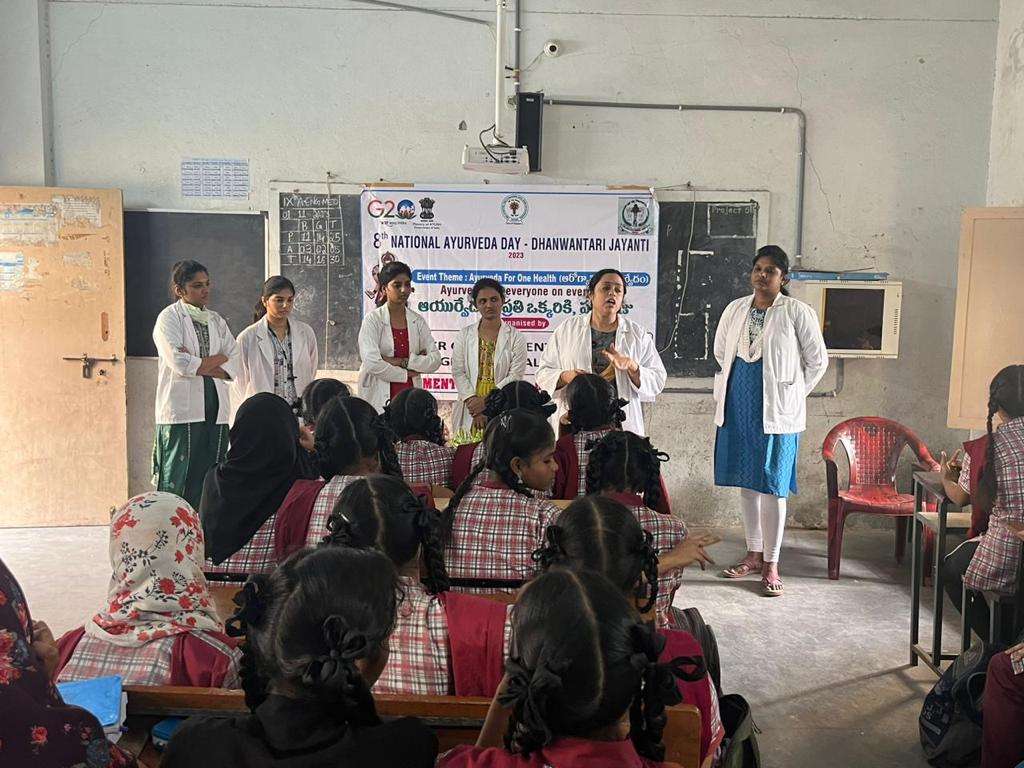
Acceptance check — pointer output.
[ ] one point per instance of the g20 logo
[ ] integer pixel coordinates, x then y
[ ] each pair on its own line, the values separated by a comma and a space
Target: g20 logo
381, 209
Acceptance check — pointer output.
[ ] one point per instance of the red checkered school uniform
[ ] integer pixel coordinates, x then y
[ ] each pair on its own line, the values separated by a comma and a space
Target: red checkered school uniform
573, 455
418, 662
495, 532
565, 751
257, 556
425, 463
324, 505
192, 658
996, 561
581, 441
668, 531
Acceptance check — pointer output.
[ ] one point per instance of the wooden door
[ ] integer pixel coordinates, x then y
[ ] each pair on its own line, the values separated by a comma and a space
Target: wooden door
63, 451
988, 332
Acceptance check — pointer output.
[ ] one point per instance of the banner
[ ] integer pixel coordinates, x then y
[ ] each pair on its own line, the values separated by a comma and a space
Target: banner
541, 242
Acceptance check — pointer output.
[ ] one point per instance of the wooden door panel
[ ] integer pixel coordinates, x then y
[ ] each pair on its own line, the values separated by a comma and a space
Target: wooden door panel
63, 454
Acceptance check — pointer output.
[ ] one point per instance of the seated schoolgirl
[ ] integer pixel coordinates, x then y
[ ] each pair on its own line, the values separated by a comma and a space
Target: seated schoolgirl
430, 654
425, 459
599, 534
584, 687
316, 395
515, 394
36, 727
627, 468
493, 526
316, 640
159, 625
991, 561
242, 494
593, 410
352, 441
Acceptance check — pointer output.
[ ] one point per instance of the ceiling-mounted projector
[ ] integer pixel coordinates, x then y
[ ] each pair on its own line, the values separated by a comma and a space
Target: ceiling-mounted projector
496, 159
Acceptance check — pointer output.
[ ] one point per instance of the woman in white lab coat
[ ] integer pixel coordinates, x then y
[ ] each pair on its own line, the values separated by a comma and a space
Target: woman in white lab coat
198, 356
772, 354
395, 343
277, 352
606, 343
487, 355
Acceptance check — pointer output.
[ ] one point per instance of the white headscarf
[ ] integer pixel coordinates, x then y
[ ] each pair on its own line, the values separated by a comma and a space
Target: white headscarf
157, 587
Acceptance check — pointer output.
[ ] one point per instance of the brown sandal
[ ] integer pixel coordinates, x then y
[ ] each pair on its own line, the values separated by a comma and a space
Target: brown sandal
740, 570
771, 588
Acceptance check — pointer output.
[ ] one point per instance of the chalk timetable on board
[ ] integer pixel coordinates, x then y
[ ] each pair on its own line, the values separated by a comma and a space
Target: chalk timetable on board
312, 229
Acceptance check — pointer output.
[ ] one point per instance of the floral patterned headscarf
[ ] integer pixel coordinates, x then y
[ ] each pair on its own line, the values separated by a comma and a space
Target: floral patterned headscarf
157, 588
36, 727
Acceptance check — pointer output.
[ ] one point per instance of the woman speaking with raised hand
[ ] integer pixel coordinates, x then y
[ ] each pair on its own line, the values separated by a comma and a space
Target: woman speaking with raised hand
608, 344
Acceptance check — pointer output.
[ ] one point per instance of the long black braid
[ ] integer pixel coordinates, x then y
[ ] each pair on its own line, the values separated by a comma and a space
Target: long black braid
1005, 393
626, 462
349, 430
414, 412
381, 512
600, 534
594, 403
518, 433
583, 660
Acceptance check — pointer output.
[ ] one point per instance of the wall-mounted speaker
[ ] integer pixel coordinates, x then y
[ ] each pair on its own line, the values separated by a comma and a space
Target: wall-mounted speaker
529, 125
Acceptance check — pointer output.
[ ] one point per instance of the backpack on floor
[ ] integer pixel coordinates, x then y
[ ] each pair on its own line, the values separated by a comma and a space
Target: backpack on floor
739, 748
691, 621
950, 721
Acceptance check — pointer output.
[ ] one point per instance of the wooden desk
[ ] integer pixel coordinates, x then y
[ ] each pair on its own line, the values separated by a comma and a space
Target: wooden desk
928, 485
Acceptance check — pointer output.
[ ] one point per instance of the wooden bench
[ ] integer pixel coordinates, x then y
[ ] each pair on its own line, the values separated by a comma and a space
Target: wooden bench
456, 720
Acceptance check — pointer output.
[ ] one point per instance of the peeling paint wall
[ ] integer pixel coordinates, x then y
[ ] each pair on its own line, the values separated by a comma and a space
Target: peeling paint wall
898, 97
1006, 165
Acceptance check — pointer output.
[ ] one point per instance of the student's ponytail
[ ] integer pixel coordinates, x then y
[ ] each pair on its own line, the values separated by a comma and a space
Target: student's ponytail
251, 609
626, 462
1005, 393
349, 429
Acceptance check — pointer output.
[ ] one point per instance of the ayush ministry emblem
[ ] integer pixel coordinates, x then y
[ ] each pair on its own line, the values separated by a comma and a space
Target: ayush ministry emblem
634, 216
514, 208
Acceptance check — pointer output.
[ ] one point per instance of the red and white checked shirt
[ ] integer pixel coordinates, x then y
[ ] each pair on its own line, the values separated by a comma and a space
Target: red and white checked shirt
495, 532
964, 480
257, 556
419, 659
149, 664
324, 505
668, 531
580, 440
996, 562
425, 463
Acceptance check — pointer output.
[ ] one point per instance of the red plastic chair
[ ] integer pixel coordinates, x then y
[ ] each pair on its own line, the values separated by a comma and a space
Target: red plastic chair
873, 446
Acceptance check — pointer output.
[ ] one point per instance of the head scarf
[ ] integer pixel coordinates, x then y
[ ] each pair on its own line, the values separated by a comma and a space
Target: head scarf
157, 587
245, 489
36, 727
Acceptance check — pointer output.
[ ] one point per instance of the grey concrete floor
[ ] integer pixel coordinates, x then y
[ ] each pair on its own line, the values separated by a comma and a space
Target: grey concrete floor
824, 667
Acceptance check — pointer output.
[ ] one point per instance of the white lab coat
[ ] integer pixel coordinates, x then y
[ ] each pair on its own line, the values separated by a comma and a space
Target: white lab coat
256, 368
509, 366
794, 355
179, 392
376, 342
569, 348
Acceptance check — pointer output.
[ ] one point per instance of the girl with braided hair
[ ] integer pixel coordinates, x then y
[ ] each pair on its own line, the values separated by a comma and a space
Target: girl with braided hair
352, 440
317, 394
493, 526
627, 468
515, 394
599, 534
991, 561
424, 457
594, 410
584, 687
316, 641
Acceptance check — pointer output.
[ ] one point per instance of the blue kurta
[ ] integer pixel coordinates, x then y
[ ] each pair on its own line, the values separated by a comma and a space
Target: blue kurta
745, 457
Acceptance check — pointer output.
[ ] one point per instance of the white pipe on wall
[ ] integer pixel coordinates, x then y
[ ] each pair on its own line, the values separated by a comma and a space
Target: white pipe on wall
499, 65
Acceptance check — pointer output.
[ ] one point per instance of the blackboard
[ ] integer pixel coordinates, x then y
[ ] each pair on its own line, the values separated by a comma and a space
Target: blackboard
714, 272
232, 246
321, 253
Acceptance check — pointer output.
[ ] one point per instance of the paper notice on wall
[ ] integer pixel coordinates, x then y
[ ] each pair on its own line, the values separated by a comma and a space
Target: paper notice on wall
78, 210
30, 224
214, 177
12, 271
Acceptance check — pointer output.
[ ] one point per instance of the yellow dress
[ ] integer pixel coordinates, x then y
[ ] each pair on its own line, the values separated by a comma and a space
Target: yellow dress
485, 381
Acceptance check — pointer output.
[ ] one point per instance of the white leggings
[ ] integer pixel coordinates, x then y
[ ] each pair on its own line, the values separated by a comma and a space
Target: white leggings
764, 520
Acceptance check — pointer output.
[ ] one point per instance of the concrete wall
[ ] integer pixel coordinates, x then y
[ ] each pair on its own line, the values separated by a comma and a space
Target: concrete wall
898, 96
1006, 164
